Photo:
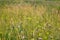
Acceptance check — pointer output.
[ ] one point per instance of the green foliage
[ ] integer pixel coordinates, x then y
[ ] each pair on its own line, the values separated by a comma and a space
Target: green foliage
30, 22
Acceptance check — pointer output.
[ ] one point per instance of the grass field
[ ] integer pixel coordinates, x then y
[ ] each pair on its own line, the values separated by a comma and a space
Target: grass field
30, 22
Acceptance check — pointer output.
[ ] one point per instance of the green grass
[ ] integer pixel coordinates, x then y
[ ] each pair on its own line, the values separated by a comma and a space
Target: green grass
27, 22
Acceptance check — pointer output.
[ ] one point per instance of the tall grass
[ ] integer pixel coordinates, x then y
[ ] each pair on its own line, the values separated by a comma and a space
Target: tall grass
29, 22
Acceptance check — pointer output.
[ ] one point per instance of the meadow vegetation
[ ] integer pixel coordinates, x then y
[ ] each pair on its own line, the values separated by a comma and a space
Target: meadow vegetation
30, 21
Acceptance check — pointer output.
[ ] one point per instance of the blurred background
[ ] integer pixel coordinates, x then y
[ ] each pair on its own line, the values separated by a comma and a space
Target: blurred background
29, 20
